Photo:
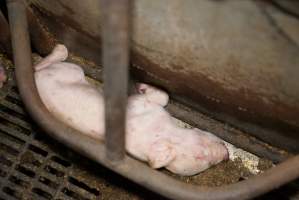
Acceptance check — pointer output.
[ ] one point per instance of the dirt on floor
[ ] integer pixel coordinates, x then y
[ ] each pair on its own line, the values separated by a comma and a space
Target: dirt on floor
224, 173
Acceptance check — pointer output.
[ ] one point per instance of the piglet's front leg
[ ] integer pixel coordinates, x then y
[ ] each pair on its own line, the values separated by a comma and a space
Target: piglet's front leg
153, 94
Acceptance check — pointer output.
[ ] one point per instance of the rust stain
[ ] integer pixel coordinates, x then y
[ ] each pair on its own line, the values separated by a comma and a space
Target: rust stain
177, 67
63, 19
213, 96
41, 39
69, 10
66, 30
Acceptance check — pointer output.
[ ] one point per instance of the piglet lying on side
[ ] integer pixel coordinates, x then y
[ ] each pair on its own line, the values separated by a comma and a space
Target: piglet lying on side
151, 134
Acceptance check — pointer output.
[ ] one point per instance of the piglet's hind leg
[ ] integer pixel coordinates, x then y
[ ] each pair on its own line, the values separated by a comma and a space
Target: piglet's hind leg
58, 54
160, 154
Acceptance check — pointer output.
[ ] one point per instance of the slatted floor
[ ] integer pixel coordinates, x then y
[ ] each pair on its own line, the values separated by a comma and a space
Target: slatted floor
34, 166
28, 168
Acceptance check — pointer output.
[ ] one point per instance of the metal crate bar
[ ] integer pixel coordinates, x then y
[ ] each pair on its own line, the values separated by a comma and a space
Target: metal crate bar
115, 59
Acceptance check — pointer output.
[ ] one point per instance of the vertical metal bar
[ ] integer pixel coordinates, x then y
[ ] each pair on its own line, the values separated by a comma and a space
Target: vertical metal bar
20, 39
115, 55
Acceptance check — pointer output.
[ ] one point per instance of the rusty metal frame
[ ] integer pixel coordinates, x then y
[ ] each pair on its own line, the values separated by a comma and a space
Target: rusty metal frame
126, 166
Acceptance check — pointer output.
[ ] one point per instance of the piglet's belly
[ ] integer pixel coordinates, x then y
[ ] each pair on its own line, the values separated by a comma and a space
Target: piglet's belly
143, 130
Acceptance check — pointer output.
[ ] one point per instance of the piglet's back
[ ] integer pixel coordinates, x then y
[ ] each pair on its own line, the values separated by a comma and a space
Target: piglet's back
67, 95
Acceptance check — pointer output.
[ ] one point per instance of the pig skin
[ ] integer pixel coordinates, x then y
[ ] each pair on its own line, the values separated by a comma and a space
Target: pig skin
151, 134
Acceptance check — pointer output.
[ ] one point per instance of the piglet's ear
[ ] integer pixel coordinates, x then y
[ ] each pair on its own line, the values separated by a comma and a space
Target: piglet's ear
161, 153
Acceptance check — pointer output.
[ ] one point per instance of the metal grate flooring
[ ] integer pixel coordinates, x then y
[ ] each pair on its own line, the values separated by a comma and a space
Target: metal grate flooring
28, 168
34, 166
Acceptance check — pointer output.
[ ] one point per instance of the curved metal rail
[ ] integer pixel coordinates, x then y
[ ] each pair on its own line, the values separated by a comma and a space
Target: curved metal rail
128, 167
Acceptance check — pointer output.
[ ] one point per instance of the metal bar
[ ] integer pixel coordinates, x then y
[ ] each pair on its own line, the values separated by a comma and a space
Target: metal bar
129, 167
115, 55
